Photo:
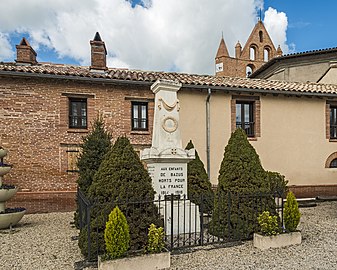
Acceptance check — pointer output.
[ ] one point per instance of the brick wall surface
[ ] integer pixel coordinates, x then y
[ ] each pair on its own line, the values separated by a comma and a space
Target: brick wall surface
34, 128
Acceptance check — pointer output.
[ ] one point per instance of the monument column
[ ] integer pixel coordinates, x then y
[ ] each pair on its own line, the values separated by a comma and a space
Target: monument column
166, 159
167, 162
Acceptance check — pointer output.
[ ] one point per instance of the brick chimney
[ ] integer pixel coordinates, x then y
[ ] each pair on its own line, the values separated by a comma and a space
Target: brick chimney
98, 54
25, 54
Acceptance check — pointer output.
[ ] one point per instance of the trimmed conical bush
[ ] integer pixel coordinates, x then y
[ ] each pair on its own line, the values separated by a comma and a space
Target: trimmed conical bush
241, 178
199, 188
122, 180
95, 145
291, 213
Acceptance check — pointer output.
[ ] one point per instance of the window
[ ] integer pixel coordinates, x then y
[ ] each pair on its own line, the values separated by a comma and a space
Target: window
333, 163
333, 122
252, 53
261, 36
245, 117
249, 70
139, 114
77, 113
266, 54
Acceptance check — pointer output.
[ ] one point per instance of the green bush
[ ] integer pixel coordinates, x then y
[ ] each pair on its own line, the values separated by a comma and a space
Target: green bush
277, 182
155, 242
95, 145
269, 224
120, 180
241, 174
291, 213
199, 188
116, 234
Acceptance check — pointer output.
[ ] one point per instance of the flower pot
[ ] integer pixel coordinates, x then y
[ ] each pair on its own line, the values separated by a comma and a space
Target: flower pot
3, 152
4, 170
276, 241
142, 262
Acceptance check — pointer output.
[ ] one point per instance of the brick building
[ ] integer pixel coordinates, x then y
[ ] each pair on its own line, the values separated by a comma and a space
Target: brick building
258, 50
45, 109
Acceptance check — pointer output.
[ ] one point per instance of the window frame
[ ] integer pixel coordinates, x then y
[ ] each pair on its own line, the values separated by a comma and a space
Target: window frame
333, 122
255, 100
80, 116
333, 163
139, 120
250, 131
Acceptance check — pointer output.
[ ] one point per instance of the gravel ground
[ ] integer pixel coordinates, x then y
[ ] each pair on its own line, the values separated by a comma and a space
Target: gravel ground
44, 241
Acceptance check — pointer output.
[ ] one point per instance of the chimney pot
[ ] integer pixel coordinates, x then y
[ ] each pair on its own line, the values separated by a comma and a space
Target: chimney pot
25, 54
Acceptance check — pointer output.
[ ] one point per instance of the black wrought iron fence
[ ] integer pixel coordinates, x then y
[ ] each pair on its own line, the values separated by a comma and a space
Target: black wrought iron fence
186, 224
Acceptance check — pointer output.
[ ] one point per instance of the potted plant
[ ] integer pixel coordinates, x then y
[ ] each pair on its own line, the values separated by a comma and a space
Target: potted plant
117, 240
271, 235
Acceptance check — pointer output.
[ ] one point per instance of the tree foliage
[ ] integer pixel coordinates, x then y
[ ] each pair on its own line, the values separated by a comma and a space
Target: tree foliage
291, 213
122, 180
95, 145
241, 181
116, 234
199, 188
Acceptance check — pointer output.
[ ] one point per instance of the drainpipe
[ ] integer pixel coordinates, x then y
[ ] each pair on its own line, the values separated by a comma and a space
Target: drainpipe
208, 133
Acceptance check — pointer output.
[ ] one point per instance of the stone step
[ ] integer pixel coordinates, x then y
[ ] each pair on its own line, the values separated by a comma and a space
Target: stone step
326, 198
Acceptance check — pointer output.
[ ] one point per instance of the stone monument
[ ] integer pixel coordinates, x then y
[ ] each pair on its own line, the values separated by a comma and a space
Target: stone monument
167, 160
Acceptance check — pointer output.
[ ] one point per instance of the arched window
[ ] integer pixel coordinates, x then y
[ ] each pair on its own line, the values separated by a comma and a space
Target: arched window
252, 53
261, 36
333, 163
249, 70
266, 55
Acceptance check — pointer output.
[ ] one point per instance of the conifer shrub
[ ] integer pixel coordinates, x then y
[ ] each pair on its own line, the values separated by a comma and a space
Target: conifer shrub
122, 180
116, 234
199, 187
269, 224
241, 180
95, 145
155, 243
291, 213
278, 183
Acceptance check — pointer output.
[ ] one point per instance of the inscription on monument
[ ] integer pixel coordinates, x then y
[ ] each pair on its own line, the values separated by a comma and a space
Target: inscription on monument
168, 178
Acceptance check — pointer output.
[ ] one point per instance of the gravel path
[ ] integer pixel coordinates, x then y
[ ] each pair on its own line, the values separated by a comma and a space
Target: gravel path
40, 241
44, 241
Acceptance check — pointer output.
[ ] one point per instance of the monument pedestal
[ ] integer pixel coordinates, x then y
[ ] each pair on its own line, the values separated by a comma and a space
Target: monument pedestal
180, 216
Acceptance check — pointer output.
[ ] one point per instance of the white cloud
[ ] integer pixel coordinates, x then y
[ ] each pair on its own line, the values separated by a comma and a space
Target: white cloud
276, 24
159, 35
5, 48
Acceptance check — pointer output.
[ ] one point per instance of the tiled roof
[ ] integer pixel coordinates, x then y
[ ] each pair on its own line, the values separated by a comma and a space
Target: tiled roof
188, 80
291, 56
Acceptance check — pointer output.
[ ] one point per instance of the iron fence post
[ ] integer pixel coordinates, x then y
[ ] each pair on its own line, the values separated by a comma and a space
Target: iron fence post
172, 221
201, 214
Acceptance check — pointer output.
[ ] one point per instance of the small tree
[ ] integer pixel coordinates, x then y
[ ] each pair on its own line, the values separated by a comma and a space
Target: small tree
116, 234
291, 213
199, 187
241, 179
95, 145
269, 224
155, 242
122, 180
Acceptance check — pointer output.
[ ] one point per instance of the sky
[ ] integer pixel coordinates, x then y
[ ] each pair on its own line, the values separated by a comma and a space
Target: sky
160, 35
